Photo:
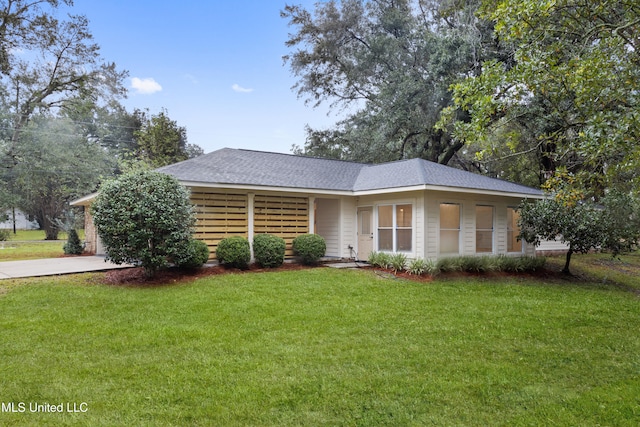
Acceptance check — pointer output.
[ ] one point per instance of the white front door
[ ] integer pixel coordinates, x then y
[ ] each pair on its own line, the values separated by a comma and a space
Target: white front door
365, 233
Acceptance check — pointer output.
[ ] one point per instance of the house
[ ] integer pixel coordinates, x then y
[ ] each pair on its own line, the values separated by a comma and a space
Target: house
417, 207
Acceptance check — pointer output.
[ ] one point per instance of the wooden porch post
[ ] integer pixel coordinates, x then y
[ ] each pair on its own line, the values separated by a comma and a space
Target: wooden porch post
312, 215
250, 219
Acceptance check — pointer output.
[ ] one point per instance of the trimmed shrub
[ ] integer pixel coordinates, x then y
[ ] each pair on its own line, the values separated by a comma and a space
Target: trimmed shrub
4, 234
309, 247
234, 252
268, 250
196, 254
144, 218
74, 245
398, 262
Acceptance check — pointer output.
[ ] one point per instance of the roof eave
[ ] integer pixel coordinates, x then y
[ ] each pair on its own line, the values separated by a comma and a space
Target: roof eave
447, 189
268, 188
84, 201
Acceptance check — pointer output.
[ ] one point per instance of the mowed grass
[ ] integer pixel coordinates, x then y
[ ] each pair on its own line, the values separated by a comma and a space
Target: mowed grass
30, 244
321, 347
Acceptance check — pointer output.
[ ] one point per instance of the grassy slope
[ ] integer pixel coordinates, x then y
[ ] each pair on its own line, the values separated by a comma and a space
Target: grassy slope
321, 347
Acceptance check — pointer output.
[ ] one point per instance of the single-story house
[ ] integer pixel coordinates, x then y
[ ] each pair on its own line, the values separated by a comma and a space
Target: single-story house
420, 208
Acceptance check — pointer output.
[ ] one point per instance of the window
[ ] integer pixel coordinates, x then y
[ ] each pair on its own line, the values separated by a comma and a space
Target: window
395, 228
484, 229
513, 244
449, 228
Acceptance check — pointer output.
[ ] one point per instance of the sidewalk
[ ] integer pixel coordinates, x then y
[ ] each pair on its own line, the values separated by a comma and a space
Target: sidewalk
55, 266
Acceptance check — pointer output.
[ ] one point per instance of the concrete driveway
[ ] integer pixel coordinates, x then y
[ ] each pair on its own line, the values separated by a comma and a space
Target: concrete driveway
55, 266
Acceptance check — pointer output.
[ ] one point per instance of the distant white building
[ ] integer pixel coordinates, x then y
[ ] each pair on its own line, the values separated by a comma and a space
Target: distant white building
22, 222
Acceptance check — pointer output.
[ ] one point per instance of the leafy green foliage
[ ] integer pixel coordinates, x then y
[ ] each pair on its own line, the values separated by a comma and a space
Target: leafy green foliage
60, 165
379, 259
309, 247
398, 262
571, 83
392, 64
73, 246
4, 234
268, 250
144, 218
196, 254
584, 225
162, 142
420, 266
234, 251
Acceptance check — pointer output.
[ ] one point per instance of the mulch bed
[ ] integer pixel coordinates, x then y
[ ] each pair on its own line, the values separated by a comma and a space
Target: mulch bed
137, 277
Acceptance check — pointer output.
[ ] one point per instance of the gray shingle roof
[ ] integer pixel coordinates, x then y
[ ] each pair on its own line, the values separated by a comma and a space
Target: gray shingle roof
245, 167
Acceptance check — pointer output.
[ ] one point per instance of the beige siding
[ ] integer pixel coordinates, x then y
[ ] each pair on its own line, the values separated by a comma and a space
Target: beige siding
348, 215
468, 204
219, 215
327, 217
283, 216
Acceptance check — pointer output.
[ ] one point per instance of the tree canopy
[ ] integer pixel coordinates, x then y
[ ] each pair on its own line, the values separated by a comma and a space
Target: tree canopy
389, 65
572, 86
160, 141
57, 165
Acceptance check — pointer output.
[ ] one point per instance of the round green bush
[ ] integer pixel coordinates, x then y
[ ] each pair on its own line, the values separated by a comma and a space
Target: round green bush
196, 254
144, 218
234, 252
309, 247
268, 250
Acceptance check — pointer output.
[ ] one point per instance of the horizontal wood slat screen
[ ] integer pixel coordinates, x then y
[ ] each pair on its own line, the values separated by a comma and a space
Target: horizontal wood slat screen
286, 217
218, 216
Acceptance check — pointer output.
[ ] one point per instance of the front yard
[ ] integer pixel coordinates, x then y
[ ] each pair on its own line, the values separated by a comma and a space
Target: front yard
321, 347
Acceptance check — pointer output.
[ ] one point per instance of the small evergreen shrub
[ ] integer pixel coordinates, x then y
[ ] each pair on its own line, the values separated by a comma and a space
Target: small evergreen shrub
5, 235
74, 245
195, 255
234, 252
268, 250
398, 262
309, 247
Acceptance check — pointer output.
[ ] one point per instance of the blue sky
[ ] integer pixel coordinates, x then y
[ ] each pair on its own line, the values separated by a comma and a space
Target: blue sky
216, 66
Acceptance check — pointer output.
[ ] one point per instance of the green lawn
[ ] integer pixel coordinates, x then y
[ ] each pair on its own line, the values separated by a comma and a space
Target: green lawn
30, 244
321, 347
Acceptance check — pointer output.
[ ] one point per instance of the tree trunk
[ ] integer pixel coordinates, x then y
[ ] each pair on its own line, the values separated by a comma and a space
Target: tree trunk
565, 270
50, 231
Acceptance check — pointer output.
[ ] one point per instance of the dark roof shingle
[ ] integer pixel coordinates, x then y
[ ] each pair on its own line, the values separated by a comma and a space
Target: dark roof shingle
246, 167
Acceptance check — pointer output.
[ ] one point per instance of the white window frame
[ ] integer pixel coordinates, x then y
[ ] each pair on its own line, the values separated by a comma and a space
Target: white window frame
394, 227
515, 230
459, 229
493, 228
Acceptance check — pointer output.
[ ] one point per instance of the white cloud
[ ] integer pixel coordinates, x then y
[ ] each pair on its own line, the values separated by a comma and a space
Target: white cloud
145, 86
236, 87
